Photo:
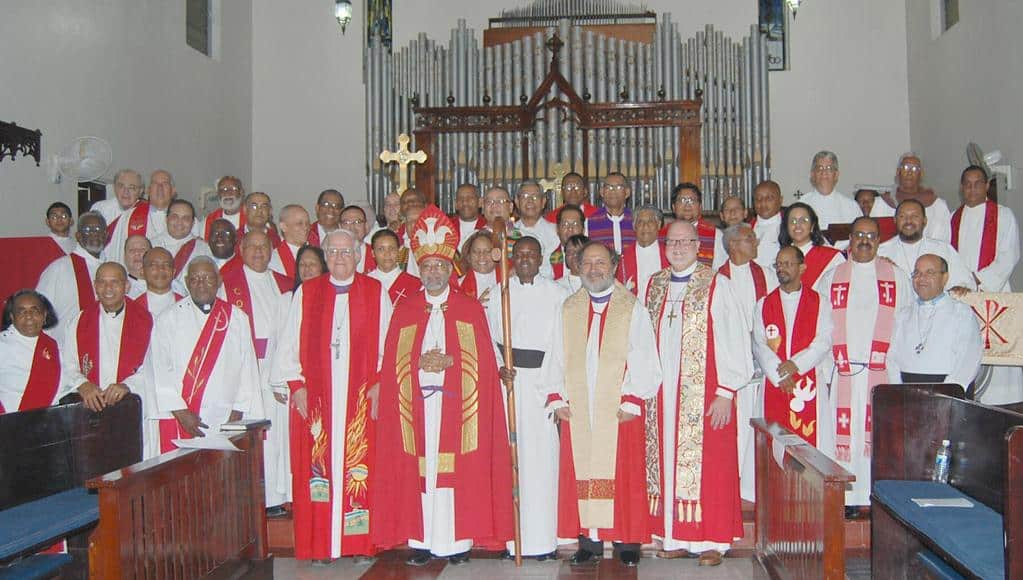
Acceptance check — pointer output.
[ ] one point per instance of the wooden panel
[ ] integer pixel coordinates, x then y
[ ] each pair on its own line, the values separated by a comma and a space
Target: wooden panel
629, 32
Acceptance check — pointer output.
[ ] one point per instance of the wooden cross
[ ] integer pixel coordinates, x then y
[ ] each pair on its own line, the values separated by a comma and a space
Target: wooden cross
559, 170
403, 157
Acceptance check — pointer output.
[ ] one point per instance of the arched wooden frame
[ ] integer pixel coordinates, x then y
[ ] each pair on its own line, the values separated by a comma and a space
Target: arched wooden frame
685, 115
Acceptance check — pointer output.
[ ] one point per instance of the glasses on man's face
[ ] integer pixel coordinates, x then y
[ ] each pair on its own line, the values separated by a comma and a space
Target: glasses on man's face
339, 252
353, 222
229, 189
530, 196
571, 224
670, 242
132, 188
616, 187
865, 235
926, 274
85, 230
206, 279
258, 206
910, 168
800, 221
572, 187
825, 169
687, 200
330, 205
493, 202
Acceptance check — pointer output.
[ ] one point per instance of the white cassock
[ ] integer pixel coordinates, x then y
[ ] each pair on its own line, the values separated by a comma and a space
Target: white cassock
642, 372
905, 255
233, 384
861, 315
767, 230
938, 337
835, 261
749, 402
174, 245
833, 208
648, 263
16, 354
275, 259
287, 366
939, 218
547, 234
156, 226
108, 208
570, 283
58, 283
814, 356
411, 266
465, 229
110, 327
66, 244
734, 369
535, 311
1003, 384
386, 279
157, 303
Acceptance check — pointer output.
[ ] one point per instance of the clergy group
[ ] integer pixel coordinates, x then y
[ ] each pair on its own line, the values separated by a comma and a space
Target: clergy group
620, 354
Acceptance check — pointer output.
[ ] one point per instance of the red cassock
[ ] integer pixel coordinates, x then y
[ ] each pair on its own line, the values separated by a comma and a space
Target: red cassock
312, 459
474, 448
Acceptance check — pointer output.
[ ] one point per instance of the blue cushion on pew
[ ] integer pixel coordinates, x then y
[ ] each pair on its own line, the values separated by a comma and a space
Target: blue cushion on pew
937, 567
29, 525
972, 537
38, 566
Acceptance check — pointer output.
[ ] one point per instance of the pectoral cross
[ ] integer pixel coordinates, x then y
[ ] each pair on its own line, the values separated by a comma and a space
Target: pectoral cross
336, 345
403, 157
672, 316
558, 172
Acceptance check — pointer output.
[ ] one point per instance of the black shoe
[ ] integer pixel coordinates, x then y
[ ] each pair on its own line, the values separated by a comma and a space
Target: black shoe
506, 555
458, 559
419, 558
544, 557
629, 557
852, 512
583, 557
276, 511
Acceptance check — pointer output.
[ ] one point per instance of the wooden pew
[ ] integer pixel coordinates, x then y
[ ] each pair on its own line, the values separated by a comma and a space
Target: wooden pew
46, 457
185, 514
800, 509
986, 468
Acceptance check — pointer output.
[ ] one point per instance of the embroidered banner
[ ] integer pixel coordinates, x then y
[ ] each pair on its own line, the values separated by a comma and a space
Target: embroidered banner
1000, 317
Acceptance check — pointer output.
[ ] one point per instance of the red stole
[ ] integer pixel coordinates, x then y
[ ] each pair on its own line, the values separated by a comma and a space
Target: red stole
474, 455
182, 257
816, 260
557, 261
468, 284
313, 239
216, 215
143, 300
370, 263
628, 267
707, 234
236, 288
86, 292
138, 221
759, 280
135, 333
779, 406
311, 459
989, 237
203, 358
404, 285
44, 376
287, 259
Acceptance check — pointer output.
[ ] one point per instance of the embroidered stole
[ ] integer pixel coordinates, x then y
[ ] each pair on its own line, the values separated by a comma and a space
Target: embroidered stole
595, 446
878, 357
182, 257
138, 221
989, 237
43, 377
136, 330
696, 369
404, 285
86, 293
706, 233
797, 412
557, 261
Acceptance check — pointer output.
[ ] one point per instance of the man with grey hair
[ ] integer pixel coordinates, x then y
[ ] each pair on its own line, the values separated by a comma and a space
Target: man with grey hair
831, 206
230, 193
909, 177
645, 256
294, 222
530, 201
128, 188
67, 281
147, 218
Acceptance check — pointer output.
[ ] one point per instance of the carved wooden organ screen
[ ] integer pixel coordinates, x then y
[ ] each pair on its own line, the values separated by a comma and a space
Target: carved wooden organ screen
630, 92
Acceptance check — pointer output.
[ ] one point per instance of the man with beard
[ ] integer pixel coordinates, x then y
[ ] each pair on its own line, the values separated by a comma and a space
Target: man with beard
328, 215
909, 177
767, 221
203, 361
687, 204
67, 281
535, 311
574, 191
910, 244
866, 296
645, 256
444, 463
468, 208
222, 242
294, 221
571, 222
792, 344
703, 342
612, 224
148, 218
230, 194
602, 367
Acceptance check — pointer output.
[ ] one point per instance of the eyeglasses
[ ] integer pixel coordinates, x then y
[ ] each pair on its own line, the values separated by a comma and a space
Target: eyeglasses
329, 205
229, 189
926, 274
492, 202
208, 279
683, 242
339, 252
616, 187
91, 229
572, 187
530, 196
255, 206
31, 310
799, 220
865, 235
354, 222
909, 167
687, 200
131, 188
825, 169
571, 223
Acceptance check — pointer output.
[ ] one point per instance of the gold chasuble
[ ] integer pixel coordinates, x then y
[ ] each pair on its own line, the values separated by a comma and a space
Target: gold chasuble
595, 444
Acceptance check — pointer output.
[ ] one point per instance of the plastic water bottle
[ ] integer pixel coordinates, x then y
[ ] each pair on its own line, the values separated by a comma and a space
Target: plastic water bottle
941, 461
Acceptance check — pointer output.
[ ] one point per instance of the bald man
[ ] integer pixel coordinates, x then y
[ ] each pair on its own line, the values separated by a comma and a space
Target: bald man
294, 221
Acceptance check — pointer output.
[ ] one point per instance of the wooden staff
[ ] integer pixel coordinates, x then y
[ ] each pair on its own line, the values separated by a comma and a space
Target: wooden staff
501, 231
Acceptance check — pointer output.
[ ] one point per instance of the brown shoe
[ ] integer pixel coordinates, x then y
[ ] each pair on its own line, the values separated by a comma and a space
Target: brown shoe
710, 558
672, 554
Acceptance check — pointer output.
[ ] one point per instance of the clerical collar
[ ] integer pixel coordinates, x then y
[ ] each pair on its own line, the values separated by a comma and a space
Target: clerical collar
438, 300
733, 265
342, 286
869, 264
616, 218
249, 270
522, 283
602, 296
205, 308
932, 302
115, 313
472, 221
775, 218
684, 275
806, 247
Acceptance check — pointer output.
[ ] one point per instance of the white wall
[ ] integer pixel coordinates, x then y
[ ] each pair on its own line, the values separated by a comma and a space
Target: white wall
121, 70
965, 85
846, 90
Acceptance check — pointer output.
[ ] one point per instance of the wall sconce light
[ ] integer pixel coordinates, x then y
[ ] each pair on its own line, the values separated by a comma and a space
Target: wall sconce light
793, 6
343, 13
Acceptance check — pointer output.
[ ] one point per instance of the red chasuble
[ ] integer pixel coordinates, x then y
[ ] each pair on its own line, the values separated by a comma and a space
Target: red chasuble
311, 457
86, 293
216, 215
135, 333
779, 406
204, 357
404, 285
183, 256
989, 237
138, 221
628, 268
475, 457
43, 378
817, 259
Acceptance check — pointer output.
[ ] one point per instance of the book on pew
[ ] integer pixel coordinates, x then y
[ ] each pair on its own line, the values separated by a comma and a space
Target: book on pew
240, 425
956, 502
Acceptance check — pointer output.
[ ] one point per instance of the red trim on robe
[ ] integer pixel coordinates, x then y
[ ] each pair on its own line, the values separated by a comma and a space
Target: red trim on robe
217, 214
816, 260
184, 254
404, 286
989, 237
136, 329
628, 267
468, 283
287, 259
759, 279
776, 401
143, 300
588, 210
44, 376
86, 292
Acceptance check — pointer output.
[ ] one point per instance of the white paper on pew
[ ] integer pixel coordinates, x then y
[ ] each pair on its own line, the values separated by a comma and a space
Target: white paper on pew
779, 443
956, 502
212, 442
